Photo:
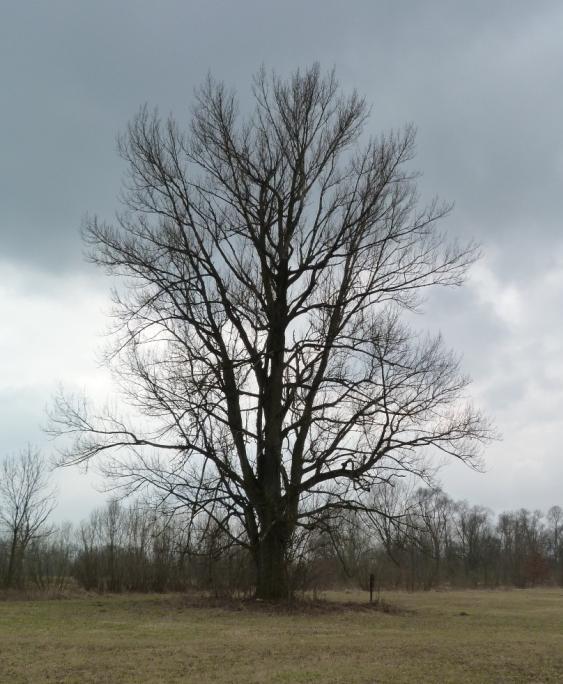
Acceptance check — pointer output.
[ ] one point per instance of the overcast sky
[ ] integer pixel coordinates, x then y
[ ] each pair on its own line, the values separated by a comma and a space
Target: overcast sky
482, 81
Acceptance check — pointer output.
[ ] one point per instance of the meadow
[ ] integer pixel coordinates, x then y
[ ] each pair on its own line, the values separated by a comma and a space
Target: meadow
448, 636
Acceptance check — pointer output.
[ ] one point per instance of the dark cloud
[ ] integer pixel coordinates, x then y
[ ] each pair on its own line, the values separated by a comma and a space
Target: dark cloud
480, 80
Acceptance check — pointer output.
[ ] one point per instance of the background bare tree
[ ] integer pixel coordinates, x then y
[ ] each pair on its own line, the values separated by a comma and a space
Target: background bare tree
26, 501
267, 262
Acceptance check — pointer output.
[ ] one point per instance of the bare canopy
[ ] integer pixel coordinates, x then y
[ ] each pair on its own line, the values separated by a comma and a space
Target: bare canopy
267, 260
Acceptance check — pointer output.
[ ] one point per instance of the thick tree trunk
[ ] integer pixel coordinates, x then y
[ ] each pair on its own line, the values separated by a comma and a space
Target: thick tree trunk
271, 570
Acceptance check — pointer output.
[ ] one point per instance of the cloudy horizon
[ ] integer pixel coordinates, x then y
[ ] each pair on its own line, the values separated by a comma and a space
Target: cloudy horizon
481, 83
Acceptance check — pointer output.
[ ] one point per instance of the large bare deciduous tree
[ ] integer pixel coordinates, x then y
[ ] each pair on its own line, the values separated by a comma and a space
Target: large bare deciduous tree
266, 260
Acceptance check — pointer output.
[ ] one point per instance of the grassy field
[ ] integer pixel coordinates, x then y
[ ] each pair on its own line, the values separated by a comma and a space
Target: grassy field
469, 636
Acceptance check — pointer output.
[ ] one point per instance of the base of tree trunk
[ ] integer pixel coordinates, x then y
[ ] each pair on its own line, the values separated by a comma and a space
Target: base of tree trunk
271, 570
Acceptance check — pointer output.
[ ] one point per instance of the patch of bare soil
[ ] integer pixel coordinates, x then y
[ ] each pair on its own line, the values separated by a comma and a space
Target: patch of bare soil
49, 594
297, 606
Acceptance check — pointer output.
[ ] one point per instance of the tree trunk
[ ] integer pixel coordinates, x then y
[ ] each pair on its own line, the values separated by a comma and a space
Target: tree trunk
12, 560
271, 571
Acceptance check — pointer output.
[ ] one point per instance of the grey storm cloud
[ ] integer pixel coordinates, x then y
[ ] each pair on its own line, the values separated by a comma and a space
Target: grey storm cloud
481, 81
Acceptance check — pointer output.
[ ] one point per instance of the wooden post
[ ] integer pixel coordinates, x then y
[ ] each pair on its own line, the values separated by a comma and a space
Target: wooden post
371, 585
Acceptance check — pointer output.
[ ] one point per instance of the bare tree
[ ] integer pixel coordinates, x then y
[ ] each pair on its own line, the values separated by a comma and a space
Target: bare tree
268, 262
474, 533
26, 501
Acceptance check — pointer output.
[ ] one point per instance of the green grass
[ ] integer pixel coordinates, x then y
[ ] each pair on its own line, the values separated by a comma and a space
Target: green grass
506, 636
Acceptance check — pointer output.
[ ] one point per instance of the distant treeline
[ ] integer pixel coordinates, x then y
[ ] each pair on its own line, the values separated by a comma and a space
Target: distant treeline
420, 539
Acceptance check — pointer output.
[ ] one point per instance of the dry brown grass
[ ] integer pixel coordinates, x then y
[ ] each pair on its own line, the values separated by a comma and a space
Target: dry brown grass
468, 636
